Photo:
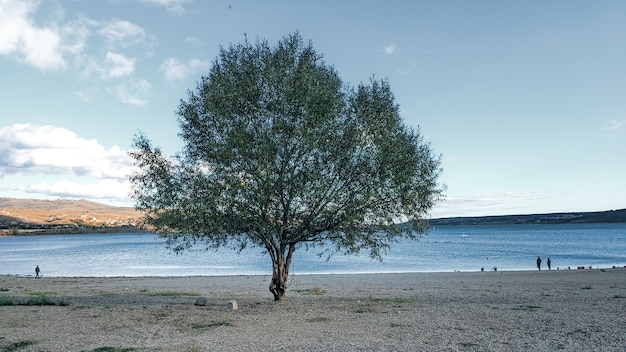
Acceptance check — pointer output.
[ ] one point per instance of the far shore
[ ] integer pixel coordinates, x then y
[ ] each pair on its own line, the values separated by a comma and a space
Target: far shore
567, 310
323, 274
71, 231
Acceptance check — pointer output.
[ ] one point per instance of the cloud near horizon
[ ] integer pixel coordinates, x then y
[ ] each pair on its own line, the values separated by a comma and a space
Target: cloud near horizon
88, 169
500, 203
103, 189
28, 147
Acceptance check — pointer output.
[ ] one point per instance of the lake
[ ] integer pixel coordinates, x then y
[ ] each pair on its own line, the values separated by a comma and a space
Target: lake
453, 248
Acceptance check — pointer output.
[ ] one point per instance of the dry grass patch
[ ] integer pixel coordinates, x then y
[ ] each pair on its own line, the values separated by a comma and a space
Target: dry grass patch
212, 324
383, 305
169, 294
311, 291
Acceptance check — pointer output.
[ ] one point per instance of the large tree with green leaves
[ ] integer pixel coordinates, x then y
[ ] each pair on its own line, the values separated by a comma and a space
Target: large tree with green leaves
280, 154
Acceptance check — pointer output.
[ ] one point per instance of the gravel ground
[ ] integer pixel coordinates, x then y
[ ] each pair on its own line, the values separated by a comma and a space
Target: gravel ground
578, 310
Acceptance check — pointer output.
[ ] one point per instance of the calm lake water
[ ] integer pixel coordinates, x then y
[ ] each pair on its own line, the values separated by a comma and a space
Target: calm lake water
468, 248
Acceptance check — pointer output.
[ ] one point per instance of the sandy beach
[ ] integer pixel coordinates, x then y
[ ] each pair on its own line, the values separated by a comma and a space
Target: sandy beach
577, 310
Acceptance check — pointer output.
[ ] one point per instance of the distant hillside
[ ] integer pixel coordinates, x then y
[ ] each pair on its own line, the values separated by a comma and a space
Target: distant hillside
38, 204
50, 216
610, 216
27, 216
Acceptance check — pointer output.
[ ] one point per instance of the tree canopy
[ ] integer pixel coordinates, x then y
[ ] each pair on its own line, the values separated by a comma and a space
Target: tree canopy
279, 153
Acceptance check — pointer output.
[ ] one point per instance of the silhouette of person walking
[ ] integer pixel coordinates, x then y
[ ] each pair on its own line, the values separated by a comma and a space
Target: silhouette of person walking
37, 271
549, 264
539, 263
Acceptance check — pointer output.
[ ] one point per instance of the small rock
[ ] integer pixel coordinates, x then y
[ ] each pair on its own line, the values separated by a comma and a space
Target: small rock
232, 305
201, 301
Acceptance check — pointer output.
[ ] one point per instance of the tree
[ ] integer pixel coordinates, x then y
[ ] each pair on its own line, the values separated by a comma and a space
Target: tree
280, 154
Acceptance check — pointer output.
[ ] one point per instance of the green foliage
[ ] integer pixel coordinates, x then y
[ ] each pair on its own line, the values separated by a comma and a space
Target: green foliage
280, 153
311, 291
530, 308
33, 300
169, 294
8, 301
223, 322
16, 346
41, 293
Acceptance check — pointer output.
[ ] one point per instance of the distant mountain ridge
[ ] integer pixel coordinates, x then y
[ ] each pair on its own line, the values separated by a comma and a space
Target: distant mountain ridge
609, 216
68, 216
20, 216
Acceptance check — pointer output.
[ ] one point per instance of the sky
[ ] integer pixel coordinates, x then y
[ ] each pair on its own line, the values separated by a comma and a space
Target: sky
525, 101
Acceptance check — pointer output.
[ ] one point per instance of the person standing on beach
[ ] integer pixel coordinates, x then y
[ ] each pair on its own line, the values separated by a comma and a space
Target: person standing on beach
37, 271
539, 263
549, 264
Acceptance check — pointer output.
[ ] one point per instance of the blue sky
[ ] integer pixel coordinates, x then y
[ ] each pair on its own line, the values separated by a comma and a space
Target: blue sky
526, 101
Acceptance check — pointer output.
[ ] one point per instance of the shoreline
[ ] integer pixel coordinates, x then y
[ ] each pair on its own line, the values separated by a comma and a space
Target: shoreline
582, 268
77, 230
438, 311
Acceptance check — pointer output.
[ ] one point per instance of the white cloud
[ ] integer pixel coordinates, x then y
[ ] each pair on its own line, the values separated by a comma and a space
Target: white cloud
127, 97
116, 65
74, 35
58, 44
193, 40
38, 46
28, 149
119, 32
173, 69
389, 49
82, 96
173, 6
450, 159
131, 94
615, 124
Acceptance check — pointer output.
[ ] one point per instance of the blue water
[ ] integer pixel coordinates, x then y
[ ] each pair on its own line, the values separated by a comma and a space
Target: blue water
442, 249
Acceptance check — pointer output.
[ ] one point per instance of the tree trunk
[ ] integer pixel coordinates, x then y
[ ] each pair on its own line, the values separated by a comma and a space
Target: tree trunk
278, 289
281, 264
279, 281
